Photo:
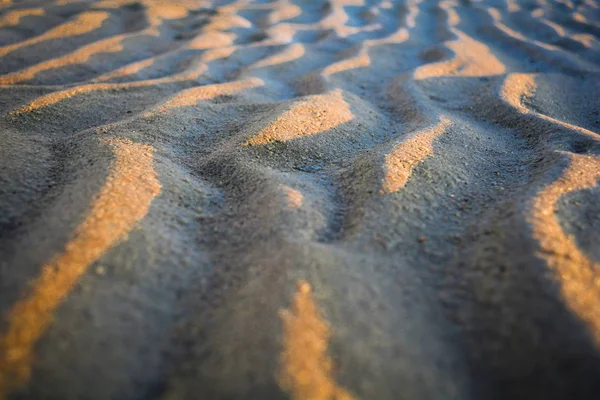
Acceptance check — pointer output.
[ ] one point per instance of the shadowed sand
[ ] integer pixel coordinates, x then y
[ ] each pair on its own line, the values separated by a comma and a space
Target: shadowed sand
314, 200
123, 201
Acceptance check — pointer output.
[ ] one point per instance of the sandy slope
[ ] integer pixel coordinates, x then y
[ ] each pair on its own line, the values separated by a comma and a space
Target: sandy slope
299, 199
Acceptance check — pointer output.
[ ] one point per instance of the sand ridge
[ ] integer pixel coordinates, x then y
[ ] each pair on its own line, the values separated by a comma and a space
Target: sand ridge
342, 199
123, 201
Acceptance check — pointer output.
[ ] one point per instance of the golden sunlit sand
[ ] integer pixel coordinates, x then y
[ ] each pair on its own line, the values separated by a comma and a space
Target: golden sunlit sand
313, 200
306, 367
123, 201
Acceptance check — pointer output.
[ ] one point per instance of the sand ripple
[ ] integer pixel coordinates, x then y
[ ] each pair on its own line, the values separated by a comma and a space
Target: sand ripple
308, 199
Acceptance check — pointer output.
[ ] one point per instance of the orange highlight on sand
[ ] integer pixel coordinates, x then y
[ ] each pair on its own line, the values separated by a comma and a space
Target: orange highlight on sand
306, 371
308, 116
577, 274
13, 18
123, 201
82, 24
406, 155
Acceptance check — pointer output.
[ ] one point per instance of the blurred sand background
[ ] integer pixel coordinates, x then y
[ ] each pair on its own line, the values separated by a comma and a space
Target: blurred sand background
313, 200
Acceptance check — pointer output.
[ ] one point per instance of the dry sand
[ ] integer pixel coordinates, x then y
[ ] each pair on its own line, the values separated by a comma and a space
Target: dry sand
344, 200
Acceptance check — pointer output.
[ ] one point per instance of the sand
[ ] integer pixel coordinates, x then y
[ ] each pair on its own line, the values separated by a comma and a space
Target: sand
298, 199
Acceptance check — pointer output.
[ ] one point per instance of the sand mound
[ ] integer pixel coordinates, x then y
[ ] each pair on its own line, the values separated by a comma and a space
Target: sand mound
311, 200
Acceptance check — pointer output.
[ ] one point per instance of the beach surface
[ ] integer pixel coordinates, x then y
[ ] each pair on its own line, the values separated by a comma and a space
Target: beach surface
294, 199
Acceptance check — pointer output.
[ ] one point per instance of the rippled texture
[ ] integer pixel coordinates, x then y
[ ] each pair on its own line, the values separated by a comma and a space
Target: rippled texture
347, 199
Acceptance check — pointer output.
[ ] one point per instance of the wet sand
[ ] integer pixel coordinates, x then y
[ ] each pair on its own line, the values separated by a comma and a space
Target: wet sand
310, 200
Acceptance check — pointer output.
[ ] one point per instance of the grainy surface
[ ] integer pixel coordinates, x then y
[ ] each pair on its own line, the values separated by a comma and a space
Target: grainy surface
348, 199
